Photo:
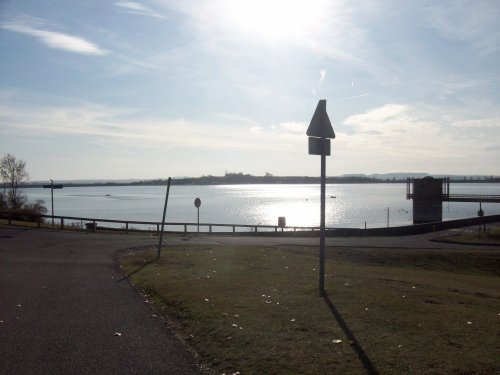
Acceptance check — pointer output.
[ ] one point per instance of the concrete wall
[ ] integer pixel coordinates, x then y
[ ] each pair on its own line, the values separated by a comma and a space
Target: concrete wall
406, 230
427, 210
427, 200
416, 229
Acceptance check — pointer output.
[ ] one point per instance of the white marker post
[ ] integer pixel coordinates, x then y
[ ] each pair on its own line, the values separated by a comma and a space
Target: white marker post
320, 132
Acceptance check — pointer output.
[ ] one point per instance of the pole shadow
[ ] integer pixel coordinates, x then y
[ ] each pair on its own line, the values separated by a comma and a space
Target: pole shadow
367, 364
127, 276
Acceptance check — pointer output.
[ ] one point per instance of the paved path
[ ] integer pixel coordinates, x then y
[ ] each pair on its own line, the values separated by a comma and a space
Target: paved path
420, 241
61, 304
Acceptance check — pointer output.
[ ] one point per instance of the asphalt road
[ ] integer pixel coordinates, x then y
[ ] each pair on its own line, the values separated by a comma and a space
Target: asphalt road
61, 307
62, 302
420, 241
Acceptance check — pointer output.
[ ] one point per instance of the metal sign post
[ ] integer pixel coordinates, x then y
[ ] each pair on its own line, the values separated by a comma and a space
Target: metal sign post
163, 220
52, 187
197, 204
320, 132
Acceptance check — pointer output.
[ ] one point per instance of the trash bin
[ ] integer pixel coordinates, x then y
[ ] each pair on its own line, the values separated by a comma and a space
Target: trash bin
281, 221
90, 227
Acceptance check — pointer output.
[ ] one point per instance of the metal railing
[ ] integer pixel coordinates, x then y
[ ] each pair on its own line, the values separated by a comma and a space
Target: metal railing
491, 198
485, 198
91, 224
446, 196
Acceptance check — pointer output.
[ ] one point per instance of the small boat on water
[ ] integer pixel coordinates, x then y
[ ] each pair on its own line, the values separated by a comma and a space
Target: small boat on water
108, 195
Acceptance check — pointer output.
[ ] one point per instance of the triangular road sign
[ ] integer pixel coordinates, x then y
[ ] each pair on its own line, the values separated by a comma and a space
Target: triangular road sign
320, 125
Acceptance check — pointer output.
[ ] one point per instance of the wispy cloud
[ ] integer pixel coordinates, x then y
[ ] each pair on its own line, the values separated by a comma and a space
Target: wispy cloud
448, 85
392, 136
133, 7
322, 75
291, 127
471, 21
353, 97
232, 118
103, 143
115, 125
422, 135
256, 129
54, 39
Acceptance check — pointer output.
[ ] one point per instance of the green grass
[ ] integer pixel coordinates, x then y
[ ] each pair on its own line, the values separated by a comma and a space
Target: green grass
490, 237
256, 309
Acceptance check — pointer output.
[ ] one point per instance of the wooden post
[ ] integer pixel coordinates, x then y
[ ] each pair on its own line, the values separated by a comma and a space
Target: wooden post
163, 220
52, 199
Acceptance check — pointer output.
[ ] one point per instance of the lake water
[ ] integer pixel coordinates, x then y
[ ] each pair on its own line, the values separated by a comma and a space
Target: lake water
347, 205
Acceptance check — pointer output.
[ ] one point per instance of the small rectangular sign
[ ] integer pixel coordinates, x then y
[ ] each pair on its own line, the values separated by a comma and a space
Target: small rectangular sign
315, 146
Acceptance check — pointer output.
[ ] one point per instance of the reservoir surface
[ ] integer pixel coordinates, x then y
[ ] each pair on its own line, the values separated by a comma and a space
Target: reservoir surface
347, 205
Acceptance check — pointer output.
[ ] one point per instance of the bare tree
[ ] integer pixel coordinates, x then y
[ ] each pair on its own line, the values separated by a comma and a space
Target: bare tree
13, 174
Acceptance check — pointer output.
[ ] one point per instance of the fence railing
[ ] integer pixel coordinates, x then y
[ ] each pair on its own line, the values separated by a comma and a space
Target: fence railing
491, 198
92, 224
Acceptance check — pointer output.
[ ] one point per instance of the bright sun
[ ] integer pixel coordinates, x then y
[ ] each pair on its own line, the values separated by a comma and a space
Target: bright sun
278, 20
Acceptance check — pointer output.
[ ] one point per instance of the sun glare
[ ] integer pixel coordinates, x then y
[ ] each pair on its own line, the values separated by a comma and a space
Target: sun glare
275, 20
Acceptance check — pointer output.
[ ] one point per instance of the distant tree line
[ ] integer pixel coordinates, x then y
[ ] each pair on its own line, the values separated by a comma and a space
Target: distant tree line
231, 178
235, 178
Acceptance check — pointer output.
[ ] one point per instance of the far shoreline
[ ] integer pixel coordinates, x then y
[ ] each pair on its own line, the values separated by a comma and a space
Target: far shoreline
246, 179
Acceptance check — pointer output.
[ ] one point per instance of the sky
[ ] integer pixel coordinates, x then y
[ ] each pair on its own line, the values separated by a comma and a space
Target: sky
93, 89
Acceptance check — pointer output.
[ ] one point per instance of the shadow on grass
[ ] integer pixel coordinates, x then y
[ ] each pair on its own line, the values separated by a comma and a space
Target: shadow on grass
146, 263
367, 364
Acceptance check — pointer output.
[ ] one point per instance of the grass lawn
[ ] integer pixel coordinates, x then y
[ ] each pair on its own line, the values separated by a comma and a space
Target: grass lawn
257, 310
490, 237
